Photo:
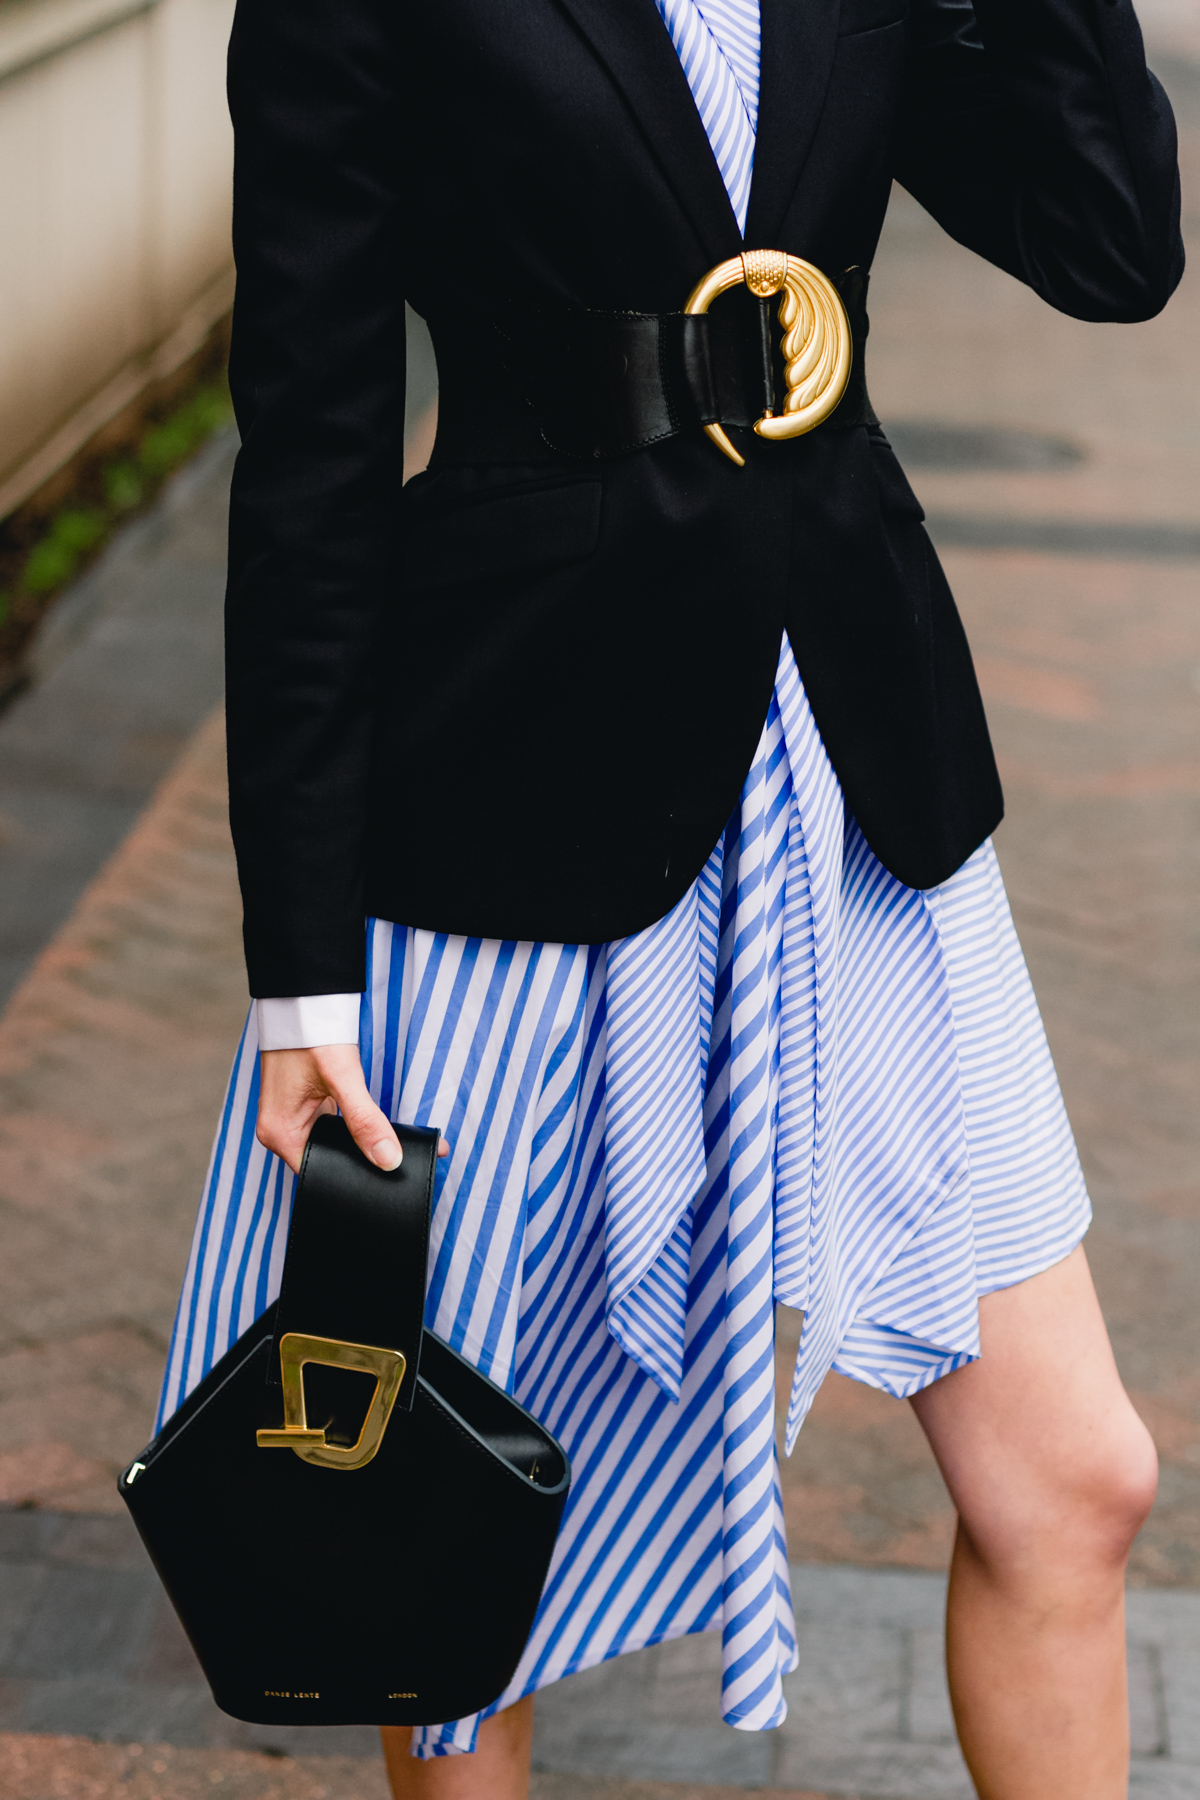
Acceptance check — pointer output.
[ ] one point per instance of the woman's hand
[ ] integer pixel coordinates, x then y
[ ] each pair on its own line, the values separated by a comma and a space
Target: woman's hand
297, 1085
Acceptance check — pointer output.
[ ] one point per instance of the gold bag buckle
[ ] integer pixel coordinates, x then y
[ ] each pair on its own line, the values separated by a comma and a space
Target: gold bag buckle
817, 344
308, 1442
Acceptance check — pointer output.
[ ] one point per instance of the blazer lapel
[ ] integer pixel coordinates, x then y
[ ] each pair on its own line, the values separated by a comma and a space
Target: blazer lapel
798, 41
633, 43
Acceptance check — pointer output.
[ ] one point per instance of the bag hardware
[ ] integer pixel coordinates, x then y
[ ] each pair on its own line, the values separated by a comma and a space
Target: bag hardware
307, 1441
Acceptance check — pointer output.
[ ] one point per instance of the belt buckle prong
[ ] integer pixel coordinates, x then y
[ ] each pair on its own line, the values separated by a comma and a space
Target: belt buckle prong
817, 344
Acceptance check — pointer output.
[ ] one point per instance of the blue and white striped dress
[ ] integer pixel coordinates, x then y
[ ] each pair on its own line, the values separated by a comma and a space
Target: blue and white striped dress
807, 1084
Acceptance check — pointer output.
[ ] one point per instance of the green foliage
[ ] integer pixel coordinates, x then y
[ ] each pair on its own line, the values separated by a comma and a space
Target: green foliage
72, 532
212, 408
168, 444
48, 566
123, 486
79, 527
164, 446
126, 484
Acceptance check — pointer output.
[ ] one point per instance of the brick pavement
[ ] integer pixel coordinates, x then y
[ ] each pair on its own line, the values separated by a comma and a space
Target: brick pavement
49, 1768
113, 1059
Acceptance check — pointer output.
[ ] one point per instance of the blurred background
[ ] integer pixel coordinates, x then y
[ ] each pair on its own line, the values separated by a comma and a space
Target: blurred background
1059, 465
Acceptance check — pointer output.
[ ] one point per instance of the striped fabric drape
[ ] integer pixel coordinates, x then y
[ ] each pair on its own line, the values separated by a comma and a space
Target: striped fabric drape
807, 1083
718, 45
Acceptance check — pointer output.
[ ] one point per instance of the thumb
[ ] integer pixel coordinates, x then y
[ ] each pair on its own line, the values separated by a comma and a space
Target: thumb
368, 1125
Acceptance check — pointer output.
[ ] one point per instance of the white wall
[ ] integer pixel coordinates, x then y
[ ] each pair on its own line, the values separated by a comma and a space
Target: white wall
115, 160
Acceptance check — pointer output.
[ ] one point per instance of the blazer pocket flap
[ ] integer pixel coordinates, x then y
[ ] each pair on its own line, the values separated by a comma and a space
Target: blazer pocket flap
500, 535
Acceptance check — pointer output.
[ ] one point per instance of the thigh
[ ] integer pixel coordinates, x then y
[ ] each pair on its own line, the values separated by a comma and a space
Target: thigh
1039, 1437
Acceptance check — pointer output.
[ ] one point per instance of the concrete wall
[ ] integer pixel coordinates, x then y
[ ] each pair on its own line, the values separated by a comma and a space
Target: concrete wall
115, 160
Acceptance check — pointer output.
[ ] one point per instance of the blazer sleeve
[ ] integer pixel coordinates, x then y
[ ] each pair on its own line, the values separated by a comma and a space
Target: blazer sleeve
317, 375
1035, 134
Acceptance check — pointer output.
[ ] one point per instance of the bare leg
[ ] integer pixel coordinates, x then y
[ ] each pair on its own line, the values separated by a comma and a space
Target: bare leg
1052, 1473
499, 1769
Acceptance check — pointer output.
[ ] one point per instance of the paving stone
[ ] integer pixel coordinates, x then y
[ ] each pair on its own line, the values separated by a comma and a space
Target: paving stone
86, 1620
180, 1713
126, 669
111, 1710
577, 1787
133, 1014
70, 1768
166, 1656
894, 1771
684, 1686
648, 1749
651, 1714
23, 1583
66, 1768
90, 1541
27, 1535
928, 1718
871, 1597
869, 1712
1147, 1702
848, 1670
1181, 1690
1162, 1781
49, 1473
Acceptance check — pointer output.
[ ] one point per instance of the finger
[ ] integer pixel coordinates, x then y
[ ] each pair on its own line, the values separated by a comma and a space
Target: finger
368, 1126
443, 1147
291, 1094
284, 1138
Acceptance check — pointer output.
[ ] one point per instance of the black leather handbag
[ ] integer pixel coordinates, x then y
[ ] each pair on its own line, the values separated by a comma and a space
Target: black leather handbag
353, 1524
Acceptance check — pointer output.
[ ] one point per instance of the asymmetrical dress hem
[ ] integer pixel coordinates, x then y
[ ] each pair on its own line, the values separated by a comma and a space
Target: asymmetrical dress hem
806, 1085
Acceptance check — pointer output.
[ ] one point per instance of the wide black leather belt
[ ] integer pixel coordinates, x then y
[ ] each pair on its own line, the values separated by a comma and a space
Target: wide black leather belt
590, 384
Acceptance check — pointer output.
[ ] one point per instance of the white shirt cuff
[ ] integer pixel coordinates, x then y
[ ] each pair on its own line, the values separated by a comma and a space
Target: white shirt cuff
308, 1021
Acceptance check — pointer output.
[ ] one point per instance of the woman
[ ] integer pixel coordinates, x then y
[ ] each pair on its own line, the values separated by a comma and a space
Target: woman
660, 777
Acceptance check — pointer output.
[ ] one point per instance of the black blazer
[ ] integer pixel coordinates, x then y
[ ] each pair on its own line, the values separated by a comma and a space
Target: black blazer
519, 698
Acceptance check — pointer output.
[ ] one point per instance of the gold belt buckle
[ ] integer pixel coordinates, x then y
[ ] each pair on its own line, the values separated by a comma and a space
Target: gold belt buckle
817, 345
308, 1442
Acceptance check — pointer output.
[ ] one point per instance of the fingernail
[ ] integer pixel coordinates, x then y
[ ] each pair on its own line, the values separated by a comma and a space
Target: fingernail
388, 1155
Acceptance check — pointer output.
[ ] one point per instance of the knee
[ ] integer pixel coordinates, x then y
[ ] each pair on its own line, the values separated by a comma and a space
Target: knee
1076, 1508
1118, 1487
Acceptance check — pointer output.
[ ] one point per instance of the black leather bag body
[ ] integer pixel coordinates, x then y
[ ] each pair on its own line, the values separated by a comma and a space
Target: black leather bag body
353, 1524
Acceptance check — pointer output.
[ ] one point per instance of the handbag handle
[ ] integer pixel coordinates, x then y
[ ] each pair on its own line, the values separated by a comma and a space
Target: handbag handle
357, 1244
